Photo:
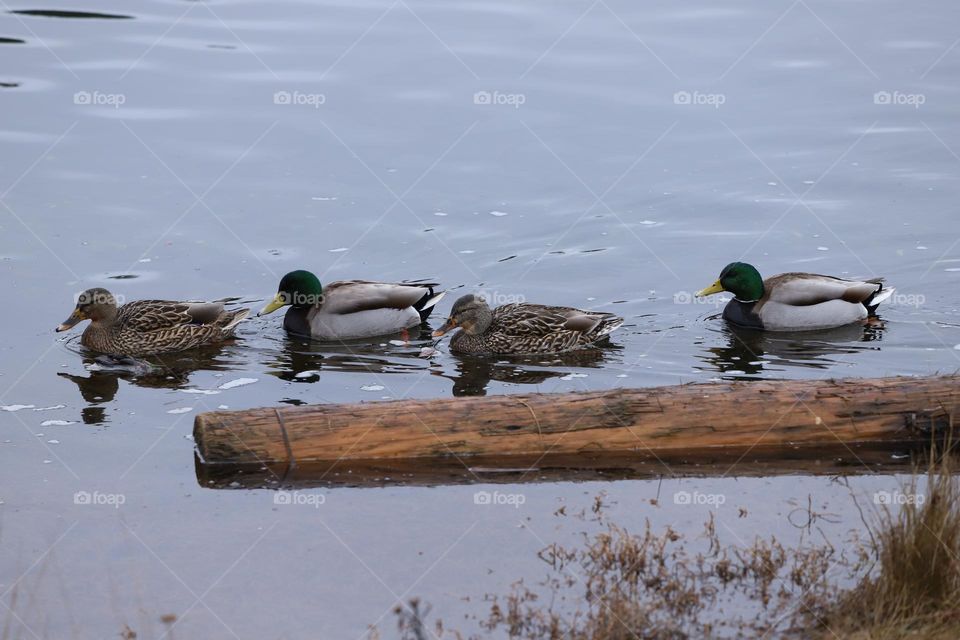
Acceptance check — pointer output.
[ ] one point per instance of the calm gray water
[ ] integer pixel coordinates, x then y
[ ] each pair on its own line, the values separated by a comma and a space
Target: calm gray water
599, 154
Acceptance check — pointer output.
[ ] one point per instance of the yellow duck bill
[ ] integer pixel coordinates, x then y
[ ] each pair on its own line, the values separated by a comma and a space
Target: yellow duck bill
277, 302
716, 287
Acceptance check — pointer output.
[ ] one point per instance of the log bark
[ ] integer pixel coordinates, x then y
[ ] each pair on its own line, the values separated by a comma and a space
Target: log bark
727, 419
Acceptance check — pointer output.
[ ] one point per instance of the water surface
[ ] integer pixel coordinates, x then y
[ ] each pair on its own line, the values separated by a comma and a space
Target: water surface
604, 155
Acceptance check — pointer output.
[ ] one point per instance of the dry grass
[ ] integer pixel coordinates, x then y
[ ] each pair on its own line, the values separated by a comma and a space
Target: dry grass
624, 586
912, 584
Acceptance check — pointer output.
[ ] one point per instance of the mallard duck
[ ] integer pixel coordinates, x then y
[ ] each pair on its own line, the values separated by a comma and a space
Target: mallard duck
795, 301
522, 328
149, 327
350, 309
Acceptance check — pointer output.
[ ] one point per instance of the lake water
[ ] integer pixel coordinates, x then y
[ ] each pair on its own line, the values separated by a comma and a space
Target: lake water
604, 155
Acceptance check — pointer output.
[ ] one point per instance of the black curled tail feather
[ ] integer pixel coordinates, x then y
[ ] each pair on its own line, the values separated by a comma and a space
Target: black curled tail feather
881, 294
425, 305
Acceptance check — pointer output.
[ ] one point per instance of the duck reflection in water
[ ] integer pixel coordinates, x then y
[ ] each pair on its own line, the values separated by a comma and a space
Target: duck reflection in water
749, 352
301, 359
474, 373
100, 387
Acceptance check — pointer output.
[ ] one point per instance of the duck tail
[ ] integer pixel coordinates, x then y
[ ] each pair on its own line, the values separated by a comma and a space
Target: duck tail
427, 303
882, 293
232, 319
608, 325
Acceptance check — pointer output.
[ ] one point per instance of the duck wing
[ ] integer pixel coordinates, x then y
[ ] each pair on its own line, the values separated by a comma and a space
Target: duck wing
153, 315
536, 319
351, 296
804, 289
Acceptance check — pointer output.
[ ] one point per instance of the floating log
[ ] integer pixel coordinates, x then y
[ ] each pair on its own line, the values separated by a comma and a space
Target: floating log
728, 419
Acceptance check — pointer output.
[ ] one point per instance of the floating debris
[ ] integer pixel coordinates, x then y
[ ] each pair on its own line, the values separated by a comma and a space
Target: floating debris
441, 214
324, 198
571, 376
823, 248
15, 407
339, 249
372, 387
56, 423
53, 442
181, 410
239, 382
499, 214
307, 374
203, 392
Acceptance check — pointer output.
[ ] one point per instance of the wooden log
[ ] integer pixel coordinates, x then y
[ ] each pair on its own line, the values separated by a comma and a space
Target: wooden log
726, 418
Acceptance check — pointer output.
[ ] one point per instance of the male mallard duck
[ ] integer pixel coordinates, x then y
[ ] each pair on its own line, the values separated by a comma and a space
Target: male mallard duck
351, 309
795, 301
522, 328
148, 327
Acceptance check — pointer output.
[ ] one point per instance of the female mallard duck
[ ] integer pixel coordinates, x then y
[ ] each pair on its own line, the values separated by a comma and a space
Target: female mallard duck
522, 328
149, 327
795, 301
351, 309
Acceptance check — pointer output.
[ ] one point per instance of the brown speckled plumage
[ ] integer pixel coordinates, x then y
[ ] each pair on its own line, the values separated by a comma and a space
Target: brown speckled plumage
523, 328
148, 327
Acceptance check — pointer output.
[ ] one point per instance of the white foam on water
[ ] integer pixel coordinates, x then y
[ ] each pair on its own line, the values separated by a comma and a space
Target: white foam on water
15, 407
239, 382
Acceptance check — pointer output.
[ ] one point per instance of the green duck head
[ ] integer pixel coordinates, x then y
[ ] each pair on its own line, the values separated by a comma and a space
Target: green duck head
739, 278
299, 289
